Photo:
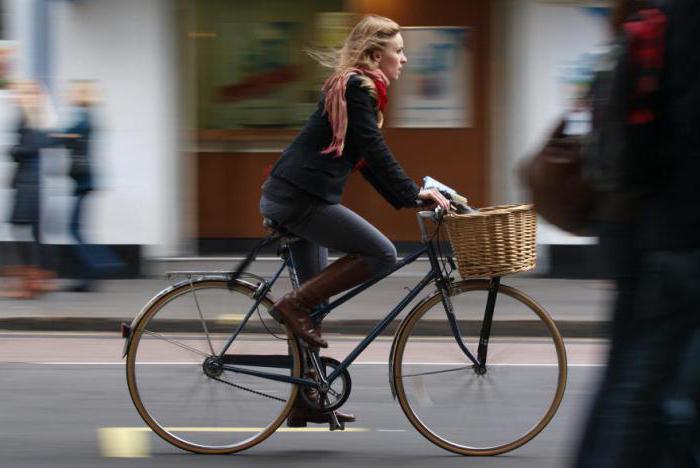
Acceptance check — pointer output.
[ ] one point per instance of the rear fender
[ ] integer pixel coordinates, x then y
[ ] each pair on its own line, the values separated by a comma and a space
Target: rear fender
127, 329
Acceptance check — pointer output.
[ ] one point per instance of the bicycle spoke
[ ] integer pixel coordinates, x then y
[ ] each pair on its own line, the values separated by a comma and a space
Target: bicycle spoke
201, 317
202, 395
439, 371
439, 398
176, 343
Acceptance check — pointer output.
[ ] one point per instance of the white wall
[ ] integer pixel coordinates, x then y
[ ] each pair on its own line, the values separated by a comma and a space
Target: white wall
129, 47
531, 41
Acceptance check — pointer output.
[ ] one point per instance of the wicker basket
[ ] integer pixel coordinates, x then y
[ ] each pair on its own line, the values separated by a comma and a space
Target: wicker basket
496, 241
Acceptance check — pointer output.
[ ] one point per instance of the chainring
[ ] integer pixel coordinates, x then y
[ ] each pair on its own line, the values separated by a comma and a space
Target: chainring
339, 389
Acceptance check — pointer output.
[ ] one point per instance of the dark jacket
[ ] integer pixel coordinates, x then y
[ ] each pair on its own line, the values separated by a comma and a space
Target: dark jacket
80, 155
325, 175
670, 217
25, 153
663, 160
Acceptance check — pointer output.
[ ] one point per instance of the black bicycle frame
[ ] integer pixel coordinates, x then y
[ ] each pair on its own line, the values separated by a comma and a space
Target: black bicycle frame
435, 274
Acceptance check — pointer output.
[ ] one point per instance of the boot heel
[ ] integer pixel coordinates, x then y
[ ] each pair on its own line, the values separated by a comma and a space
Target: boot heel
296, 423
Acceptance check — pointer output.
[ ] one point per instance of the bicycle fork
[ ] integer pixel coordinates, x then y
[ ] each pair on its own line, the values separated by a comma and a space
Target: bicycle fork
482, 351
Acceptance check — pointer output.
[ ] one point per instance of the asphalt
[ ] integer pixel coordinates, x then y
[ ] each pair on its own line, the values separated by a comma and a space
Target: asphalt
579, 307
82, 416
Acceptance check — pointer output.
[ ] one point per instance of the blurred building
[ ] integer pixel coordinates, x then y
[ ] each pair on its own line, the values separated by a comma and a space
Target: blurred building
200, 96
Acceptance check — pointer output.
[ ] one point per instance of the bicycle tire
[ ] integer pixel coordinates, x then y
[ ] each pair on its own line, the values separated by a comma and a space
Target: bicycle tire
485, 389
153, 409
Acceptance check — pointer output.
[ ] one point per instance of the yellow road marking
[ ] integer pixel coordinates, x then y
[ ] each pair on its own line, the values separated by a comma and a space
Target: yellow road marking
122, 442
237, 429
230, 317
134, 442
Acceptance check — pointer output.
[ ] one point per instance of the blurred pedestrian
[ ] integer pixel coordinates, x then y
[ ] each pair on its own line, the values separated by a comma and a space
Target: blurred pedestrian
32, 274
96, 261
643, 160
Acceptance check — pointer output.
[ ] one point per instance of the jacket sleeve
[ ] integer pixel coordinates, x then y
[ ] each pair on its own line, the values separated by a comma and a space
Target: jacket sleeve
383, 171
381, 188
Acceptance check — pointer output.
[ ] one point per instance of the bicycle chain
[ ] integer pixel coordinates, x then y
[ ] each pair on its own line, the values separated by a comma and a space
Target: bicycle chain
249, 390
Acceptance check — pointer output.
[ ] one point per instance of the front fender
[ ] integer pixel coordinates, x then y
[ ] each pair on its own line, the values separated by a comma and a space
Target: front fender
455, 288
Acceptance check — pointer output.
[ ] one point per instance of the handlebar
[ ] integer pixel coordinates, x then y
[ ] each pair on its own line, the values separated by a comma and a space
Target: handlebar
457, 202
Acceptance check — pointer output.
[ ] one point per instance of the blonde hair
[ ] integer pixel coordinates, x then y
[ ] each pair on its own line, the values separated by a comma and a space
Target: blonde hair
35, 104
370, 34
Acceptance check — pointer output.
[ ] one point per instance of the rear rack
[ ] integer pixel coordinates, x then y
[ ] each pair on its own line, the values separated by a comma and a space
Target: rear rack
225, 274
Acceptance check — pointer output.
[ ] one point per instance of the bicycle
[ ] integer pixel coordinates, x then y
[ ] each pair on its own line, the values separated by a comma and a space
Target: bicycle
242, 379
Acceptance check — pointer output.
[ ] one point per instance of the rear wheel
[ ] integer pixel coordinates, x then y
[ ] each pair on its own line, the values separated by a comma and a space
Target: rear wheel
180, 385
479, 410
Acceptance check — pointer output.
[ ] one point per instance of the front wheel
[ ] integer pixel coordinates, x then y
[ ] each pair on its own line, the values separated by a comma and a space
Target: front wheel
479, 409
181, 386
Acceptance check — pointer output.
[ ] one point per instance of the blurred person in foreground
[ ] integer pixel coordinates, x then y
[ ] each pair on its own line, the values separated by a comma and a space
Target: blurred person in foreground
31, 274
305, 186
96, 261
643, 160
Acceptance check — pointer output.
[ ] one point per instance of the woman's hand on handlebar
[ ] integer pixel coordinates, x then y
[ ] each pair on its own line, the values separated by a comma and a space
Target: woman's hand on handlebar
433, 195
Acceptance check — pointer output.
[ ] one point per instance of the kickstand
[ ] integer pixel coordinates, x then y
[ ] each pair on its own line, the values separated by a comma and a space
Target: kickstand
334, 424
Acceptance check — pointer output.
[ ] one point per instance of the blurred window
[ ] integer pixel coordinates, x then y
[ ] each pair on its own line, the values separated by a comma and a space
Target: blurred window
251, 67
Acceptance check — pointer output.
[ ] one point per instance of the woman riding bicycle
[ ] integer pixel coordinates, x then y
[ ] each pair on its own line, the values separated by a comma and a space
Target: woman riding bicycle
305, 186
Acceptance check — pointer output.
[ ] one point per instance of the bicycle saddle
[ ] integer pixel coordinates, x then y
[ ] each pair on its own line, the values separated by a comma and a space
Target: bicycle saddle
277, 228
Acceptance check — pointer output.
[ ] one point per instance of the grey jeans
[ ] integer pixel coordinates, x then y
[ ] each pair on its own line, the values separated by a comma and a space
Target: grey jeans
324, 226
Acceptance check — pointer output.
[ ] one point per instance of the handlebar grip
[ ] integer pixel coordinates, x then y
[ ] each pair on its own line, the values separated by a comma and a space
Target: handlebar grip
460, 199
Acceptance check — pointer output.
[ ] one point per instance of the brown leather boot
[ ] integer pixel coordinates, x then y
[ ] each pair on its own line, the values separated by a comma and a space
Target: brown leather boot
20, 282
295, 307
42, 281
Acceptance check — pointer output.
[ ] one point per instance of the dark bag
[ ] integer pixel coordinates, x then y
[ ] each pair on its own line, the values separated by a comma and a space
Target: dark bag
559, 191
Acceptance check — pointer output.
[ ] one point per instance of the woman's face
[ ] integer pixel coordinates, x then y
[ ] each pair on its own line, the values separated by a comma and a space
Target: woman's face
79, 94
392, 58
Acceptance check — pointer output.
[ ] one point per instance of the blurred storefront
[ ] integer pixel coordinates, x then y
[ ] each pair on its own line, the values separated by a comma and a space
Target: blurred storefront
281, 87
200, 97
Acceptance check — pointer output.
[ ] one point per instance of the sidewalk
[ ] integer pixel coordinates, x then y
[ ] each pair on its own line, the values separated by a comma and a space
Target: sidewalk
579, 307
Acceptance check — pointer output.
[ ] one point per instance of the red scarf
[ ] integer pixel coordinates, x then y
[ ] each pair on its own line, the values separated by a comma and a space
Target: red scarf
382, 98
336, 106
645, 36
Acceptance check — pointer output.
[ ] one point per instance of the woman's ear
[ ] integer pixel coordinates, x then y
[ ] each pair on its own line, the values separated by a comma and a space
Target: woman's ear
377, 55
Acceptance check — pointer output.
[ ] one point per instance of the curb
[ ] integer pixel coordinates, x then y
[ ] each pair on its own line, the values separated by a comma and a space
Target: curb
519, 328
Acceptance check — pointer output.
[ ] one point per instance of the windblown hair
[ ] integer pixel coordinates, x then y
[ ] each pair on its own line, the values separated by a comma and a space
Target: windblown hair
372, 33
